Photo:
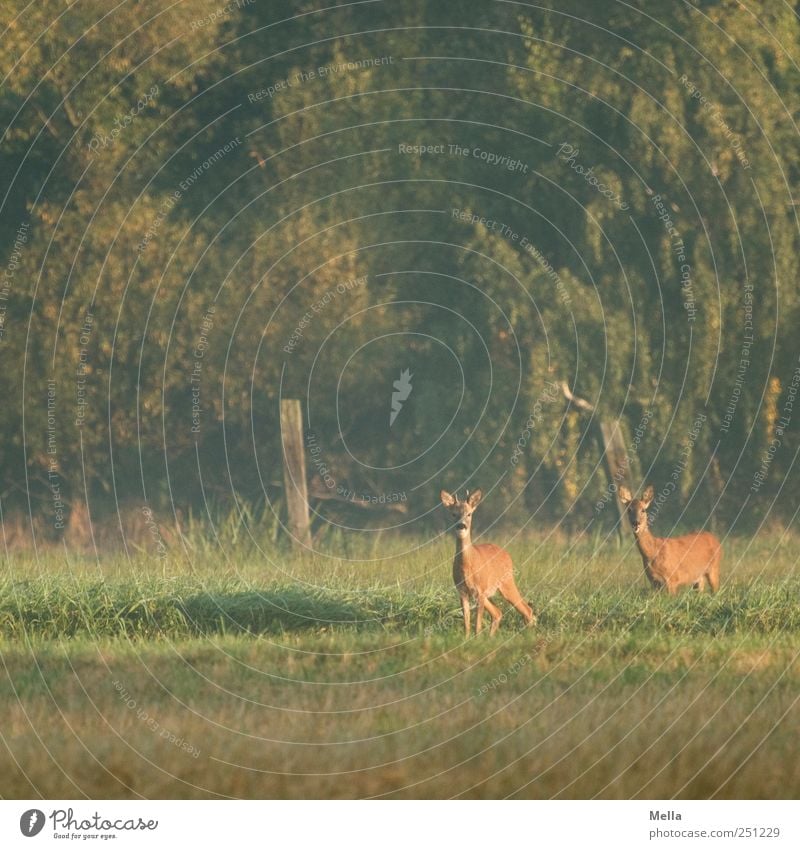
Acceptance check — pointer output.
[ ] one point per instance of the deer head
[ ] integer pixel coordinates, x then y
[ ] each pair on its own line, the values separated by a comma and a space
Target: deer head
637, 507
461, 511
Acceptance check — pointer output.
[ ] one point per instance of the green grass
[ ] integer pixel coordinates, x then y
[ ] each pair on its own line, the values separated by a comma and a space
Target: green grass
239, 674
176, 609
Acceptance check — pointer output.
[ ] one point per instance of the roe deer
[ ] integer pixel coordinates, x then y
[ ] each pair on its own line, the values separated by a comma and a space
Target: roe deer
479, 571
677, 562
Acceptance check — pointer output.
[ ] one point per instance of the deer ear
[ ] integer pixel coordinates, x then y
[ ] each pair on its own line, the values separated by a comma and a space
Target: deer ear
625, 495
647, 496
447, 499
475, 499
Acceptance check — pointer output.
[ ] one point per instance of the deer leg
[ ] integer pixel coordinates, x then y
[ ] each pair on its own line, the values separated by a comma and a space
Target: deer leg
479, 614
713, 575
465, 611
495, 613
512, 595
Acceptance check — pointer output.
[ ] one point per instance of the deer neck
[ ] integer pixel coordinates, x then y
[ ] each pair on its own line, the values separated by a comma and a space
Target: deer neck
647, 543
464, 550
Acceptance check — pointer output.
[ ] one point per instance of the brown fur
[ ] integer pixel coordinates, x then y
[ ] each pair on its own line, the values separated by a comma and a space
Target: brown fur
480, 571
692, 559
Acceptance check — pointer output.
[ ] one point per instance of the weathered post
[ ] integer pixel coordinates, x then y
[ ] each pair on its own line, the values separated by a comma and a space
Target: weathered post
612, 445
294, 470
616, 458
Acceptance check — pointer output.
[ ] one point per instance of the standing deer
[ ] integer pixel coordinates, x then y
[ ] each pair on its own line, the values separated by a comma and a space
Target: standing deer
672, 563
479, 571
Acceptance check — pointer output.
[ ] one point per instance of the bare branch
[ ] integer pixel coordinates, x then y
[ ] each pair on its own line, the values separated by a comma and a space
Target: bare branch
580, 403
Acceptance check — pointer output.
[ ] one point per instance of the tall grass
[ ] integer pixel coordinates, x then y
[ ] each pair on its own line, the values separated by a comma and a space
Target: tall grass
583, 588
346, 673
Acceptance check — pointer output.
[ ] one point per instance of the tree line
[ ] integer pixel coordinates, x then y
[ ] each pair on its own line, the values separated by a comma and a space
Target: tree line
208, 207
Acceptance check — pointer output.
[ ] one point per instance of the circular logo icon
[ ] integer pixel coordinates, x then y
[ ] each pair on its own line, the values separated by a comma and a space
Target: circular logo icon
31, 822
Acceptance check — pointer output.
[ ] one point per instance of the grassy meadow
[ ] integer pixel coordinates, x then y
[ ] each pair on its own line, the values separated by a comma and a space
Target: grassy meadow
236, 671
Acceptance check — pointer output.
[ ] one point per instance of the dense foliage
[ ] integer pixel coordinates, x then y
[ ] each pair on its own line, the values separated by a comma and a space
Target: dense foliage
211, 206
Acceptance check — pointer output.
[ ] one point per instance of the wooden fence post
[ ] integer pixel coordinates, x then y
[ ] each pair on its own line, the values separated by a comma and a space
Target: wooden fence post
616, 458
612, 444
294, 470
